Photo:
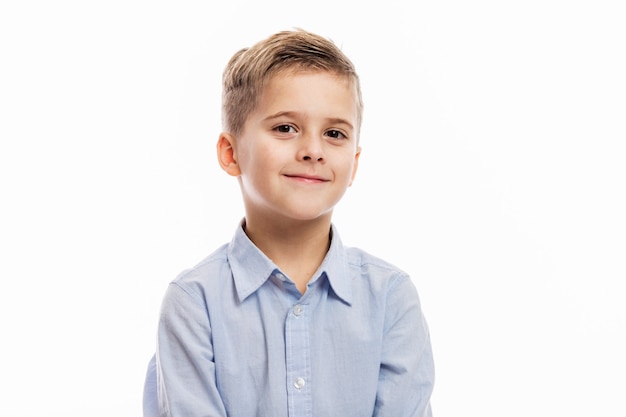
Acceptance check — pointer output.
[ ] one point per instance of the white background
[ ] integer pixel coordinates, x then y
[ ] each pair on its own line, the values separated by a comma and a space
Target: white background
493, 171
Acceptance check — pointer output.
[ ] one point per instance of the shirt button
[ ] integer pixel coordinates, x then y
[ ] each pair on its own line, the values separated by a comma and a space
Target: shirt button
298, 310
299, 383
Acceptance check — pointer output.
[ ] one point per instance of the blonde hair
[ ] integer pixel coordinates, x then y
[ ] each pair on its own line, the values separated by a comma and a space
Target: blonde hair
249, 69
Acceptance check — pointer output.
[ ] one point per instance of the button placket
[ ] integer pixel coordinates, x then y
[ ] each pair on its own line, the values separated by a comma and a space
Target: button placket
298, 357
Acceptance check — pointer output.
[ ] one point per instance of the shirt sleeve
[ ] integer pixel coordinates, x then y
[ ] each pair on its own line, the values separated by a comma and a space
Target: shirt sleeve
406, 376
186, 383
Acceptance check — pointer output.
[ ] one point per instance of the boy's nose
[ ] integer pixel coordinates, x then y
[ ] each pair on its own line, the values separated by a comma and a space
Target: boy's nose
311, 158
311, 149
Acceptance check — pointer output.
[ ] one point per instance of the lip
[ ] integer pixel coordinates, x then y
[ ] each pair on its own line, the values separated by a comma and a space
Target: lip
306, 178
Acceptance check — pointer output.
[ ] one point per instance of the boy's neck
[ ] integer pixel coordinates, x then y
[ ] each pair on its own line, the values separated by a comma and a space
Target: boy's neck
297, 248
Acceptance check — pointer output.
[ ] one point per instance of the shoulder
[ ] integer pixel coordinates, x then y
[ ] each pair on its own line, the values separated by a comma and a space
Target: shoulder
207, 273
374, 270
381, 290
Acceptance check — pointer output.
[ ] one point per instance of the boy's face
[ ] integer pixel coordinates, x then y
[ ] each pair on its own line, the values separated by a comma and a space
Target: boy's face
298, 152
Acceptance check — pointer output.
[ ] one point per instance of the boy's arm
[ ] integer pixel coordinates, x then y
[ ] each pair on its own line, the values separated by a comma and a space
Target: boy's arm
406, 376
185, 367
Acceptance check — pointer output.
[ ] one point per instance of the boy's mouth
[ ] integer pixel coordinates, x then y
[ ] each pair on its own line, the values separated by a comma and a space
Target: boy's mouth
306, 178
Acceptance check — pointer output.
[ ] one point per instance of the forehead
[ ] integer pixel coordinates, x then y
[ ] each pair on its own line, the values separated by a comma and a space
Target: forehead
298, 88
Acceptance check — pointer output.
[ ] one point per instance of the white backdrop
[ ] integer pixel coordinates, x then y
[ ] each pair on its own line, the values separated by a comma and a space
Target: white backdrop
492, 171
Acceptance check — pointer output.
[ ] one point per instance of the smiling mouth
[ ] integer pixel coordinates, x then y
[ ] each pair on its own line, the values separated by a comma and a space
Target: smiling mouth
307, 179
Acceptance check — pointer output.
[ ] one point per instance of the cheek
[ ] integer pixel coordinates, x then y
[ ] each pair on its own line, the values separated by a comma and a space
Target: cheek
347, 174
354, 170
259, 161
349, 167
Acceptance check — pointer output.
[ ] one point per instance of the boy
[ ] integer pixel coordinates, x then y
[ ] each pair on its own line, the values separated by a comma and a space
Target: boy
285, 320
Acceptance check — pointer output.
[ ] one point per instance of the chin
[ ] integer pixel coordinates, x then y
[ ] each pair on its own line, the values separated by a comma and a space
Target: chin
309, 216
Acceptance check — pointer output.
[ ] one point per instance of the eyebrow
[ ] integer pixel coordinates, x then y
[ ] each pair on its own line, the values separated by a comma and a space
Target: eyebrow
293, 114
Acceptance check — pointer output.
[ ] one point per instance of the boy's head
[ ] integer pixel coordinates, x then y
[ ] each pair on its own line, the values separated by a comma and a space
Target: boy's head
250, 69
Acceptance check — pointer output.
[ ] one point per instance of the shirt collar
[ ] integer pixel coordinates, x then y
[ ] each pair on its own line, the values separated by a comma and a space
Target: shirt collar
335, 265
251, 267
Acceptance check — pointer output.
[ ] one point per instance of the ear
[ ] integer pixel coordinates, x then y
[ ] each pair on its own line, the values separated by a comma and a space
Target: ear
226, 154
356, 163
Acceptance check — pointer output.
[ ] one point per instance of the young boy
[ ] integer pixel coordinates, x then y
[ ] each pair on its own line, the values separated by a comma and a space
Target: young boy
285, 320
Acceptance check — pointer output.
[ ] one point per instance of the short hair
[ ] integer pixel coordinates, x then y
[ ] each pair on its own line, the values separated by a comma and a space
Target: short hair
250, 69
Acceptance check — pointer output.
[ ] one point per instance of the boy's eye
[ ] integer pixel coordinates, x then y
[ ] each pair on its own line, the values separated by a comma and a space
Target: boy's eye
285, 129
335, 134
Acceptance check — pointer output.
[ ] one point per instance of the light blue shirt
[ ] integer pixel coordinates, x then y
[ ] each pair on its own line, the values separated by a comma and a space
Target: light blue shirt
236, 338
